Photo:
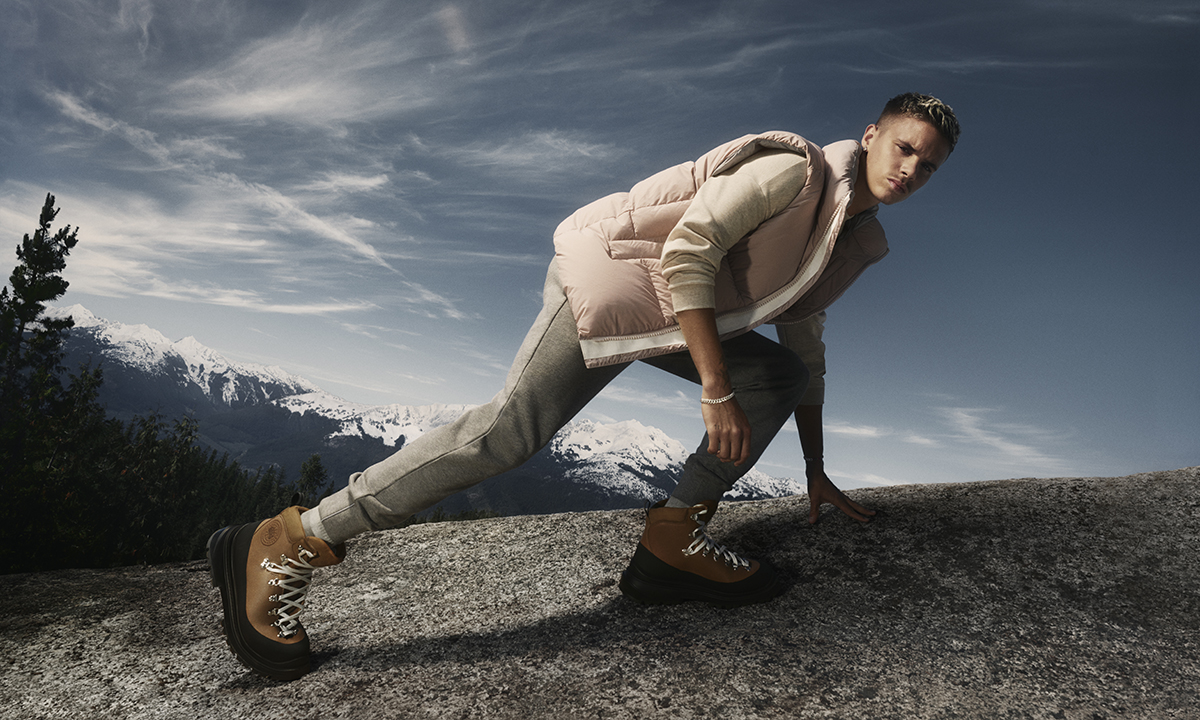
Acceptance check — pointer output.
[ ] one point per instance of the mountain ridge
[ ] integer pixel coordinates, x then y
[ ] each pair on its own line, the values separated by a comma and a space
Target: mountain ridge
263, 415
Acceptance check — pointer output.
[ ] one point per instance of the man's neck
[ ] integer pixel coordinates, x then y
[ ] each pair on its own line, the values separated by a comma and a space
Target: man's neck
863, 199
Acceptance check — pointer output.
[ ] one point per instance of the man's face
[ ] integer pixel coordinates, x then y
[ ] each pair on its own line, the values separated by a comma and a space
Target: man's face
902, 154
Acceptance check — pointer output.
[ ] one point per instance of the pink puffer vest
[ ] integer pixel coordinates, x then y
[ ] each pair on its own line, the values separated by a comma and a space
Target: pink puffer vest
608, 252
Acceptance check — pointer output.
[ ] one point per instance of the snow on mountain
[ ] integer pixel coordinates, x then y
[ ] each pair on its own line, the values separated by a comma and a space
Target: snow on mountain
389, 423
623, 456
187, 362
136, 345
585, 440
756, 485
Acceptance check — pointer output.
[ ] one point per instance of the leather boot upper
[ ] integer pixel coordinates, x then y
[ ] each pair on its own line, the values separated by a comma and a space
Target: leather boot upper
275, 541
677, 537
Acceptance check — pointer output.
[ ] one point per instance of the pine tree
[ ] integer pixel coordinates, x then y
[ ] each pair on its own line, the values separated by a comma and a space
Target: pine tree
313, 478
31, 343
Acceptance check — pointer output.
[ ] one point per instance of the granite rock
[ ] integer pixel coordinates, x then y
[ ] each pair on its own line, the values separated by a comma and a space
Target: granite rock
1037, 598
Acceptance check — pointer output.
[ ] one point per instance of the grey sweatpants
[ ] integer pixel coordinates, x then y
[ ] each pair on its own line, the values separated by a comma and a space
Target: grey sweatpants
546, 387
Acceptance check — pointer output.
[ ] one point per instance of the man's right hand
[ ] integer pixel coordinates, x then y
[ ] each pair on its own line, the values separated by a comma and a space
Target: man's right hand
728, 431
727, 426
821, 490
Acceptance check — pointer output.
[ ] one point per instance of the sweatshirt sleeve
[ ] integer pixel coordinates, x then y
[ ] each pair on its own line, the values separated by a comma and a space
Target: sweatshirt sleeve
804, 339
726, 208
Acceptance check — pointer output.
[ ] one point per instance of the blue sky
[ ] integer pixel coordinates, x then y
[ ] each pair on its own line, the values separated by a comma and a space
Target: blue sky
364, 194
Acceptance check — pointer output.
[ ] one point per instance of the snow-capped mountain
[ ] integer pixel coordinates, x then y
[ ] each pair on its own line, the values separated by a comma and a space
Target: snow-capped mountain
395, 425
263, 415
185, 368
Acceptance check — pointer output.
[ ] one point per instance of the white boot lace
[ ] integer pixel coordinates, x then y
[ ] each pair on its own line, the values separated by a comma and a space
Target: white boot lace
706, 546
297, 574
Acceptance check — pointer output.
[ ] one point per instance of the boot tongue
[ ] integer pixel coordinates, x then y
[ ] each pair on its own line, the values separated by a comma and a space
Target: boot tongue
704, 511
325, 555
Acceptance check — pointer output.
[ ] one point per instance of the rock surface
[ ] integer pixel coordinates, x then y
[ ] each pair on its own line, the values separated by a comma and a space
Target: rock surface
1063, 598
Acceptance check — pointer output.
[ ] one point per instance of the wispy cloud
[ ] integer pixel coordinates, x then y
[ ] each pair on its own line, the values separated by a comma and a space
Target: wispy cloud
861, 479
432, 304
245, 299
491, 257
470, 358
968, 65
136, 15
344, 183
319, 72
1176, 19
454, 26
433, 380
540, 149
676, 402
237, 190
1152, 12
1010, 444
864, 431
375, 332
533, 160
289, 211
972, 435
140, 139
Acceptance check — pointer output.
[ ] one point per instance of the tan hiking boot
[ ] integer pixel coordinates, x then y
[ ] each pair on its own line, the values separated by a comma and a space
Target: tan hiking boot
264, 571
677, 561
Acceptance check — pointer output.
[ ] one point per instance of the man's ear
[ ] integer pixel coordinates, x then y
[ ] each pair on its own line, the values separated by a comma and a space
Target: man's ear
869, 135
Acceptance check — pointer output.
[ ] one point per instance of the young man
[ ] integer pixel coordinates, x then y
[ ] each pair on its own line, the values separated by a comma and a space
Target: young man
674, 273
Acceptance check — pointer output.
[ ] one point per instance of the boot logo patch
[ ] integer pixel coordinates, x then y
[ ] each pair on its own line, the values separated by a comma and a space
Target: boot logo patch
274, 531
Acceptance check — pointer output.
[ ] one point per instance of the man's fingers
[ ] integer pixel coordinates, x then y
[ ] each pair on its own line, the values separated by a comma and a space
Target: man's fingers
841, 502
863, 510
728, 433
744, 453
721, 447
854, 514
853, 509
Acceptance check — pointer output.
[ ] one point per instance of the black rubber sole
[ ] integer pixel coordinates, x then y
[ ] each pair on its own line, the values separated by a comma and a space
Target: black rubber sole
227, 550
650, 581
